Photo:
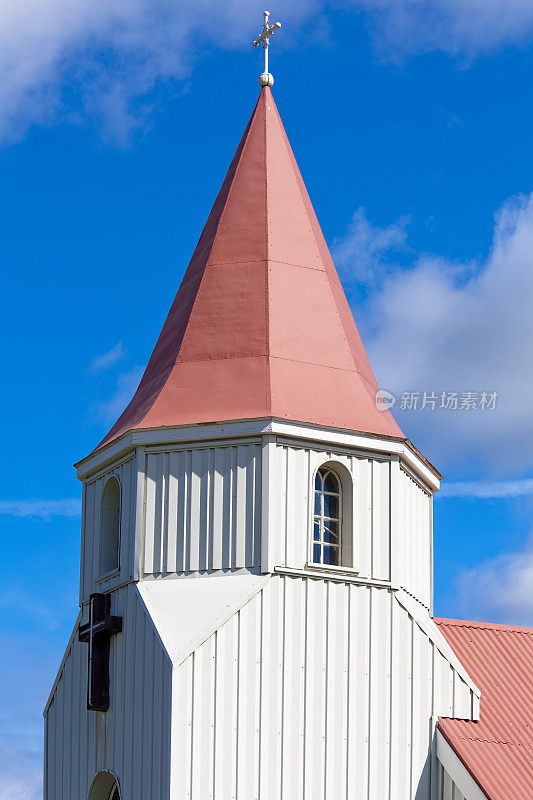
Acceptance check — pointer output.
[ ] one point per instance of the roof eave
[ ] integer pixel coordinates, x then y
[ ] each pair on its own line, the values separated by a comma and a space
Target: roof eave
120, 448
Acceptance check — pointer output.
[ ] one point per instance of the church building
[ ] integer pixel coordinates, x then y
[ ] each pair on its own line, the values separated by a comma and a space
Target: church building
256, 588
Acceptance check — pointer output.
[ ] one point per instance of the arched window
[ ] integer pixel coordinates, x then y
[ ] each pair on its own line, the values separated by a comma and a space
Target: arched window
104, 787
110, 526
327, 534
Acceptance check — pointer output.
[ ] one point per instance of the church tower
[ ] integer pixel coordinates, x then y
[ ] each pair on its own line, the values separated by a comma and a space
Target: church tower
256, 573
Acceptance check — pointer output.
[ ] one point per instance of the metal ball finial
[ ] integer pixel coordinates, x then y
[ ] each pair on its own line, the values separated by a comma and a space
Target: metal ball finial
266, 79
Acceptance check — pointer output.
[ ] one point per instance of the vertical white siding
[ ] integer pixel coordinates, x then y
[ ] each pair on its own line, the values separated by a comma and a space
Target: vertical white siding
380, 520
315, 689
370, 511
363, 538
132, 739
415, 532
203, 509
90, 539
447, 788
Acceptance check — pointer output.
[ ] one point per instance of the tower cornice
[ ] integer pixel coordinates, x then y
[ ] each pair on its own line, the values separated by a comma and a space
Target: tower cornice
181, 436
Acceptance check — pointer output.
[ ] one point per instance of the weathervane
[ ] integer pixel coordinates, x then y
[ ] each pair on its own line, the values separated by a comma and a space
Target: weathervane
266, 79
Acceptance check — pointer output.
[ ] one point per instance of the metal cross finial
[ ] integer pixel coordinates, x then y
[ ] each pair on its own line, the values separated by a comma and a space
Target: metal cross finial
266, 79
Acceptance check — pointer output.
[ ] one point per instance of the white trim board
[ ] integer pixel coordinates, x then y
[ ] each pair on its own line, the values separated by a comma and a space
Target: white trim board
63, 662
337, 574
257, 427
457, 771
421, 616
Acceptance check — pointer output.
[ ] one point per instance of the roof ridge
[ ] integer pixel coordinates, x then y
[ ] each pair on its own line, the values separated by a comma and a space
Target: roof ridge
266, 94
497, 626
488, 739
245, 140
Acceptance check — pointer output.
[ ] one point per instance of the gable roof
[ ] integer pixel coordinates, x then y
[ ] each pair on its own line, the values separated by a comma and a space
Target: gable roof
260, 326
497, 750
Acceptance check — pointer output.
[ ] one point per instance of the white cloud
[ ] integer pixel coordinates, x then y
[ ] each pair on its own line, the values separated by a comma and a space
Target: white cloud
487, 489
363, 253
45, 509
110, 54
498, 590
458, 27
107, 360
107, 411
442, 327
21, 775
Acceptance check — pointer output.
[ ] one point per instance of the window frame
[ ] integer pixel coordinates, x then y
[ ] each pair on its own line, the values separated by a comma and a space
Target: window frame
349, 498
115, 792
326, 469
104, 786
102, 576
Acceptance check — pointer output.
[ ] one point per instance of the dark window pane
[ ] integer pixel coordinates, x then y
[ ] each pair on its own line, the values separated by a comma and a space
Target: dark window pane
331, 483
318, 503
318, 481
331, 506
331, 531
316, 531
331, 556
316, 553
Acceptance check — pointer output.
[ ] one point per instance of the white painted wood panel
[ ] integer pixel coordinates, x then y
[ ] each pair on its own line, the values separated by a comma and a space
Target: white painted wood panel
362, 538
203, 510
413, 529
380, 520
370, 511
454, 781
132, 739
200, 509
448, 789
90, 533
314, 689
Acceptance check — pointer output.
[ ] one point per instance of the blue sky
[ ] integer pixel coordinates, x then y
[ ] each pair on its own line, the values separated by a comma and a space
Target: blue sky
411, 123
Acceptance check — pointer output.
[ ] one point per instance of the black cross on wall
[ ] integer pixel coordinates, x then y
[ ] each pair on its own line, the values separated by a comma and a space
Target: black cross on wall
97, 632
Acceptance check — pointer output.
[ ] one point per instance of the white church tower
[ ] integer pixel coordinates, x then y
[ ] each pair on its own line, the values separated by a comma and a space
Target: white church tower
256, 572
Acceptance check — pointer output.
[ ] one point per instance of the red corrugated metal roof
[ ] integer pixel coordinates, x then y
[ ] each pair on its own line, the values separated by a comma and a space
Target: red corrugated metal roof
260, 326
497, 750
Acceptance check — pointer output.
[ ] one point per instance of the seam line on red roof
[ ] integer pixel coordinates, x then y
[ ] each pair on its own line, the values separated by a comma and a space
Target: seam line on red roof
297, 178
268, 377
134, 423
331, 274
255, 354
265, 260
371, 390
194, 310
222, 357
514, 743
238, 261
318, 364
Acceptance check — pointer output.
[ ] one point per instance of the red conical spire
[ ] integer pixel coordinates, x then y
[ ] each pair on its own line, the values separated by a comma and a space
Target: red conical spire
260, 326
